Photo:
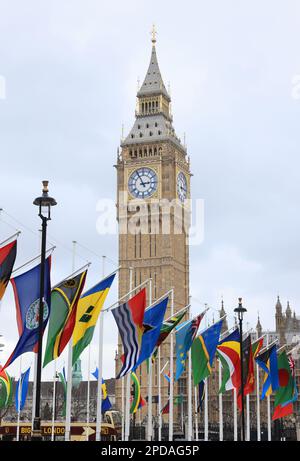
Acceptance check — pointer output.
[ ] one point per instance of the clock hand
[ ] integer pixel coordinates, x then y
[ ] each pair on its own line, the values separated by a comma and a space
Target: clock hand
143, 184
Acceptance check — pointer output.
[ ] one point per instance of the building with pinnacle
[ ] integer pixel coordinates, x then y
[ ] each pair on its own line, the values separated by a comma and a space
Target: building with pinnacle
153, 167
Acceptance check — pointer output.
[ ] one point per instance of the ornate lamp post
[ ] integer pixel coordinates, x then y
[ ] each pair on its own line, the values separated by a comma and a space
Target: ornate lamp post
240, 310
44, 202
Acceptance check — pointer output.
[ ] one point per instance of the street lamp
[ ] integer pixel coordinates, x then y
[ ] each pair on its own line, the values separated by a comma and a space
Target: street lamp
240, 311
44, 202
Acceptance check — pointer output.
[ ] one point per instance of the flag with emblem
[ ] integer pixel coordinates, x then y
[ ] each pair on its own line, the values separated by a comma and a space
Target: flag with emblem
88, 310
64, 300
27, 299
185, 335
7, 259
287, 393
129, 319
152, 322
268, 362
203, 352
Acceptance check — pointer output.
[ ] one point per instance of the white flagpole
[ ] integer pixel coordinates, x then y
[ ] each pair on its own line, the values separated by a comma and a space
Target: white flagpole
123, 408
269, 407
248, 417
127, 389
88, 395
196, 415
53, 402
69, 381
19, 399
100, 367
220, 405
150, 377
235, 428
190, 419
159, 397
257, 403
206, 410
171, 374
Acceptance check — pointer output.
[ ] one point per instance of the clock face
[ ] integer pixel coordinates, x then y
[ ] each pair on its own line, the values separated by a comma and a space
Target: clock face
181, 186
142, 182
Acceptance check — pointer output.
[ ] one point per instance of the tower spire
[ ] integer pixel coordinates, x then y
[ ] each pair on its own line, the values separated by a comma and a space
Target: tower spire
153, 35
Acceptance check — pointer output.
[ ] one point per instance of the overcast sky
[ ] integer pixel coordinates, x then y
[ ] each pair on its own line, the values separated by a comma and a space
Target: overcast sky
70, 70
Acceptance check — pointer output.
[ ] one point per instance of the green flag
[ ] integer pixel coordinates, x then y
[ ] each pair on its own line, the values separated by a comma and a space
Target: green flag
203, 352
285, 392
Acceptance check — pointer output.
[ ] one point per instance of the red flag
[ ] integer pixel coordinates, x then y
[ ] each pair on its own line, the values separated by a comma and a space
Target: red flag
7, 259
281, 411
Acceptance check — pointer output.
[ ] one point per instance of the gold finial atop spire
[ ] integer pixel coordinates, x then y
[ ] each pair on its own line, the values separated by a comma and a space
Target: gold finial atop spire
153, 33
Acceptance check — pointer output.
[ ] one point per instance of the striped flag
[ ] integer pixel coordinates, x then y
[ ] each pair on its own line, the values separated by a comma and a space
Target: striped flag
129, 318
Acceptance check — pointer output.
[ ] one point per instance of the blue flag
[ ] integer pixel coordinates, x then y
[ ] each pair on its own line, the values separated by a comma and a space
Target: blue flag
185, 335
23, 382
268, 362
153, 319
27, 298
106, 403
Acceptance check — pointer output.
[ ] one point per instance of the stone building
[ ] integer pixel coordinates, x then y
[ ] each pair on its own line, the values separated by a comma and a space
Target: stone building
153, 169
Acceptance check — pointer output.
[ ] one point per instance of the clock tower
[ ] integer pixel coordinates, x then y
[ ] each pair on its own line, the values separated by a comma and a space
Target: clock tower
153, 171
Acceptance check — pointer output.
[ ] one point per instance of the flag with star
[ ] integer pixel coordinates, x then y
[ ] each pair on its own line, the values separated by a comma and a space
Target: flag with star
185, 335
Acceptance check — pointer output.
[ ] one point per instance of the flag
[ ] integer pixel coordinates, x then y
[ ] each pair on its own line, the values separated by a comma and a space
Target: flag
6, 389
88, 310
23, 382
248, 371
62, 377
152, 322
106, 403
268, 362
257, 346
287, 393
136, 393
8, 255
184, 340
27, 298
168, 326
178, 399
64, 299
129, 318
228, 351
203, 352
201, 395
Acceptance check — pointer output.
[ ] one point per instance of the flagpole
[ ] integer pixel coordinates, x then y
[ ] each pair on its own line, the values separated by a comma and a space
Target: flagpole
248, 417
269, 407
16, 234
88, 395
257, 403
206, 410
171, 374
235, 428
159, 397
127, 389
100, 367
196, 415
33, 259
149, 435
19, 399
53, 402
123, 408
220, 405
70, 360
190, 420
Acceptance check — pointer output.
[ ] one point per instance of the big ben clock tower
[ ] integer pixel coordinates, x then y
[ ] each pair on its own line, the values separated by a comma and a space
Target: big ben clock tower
153, 168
